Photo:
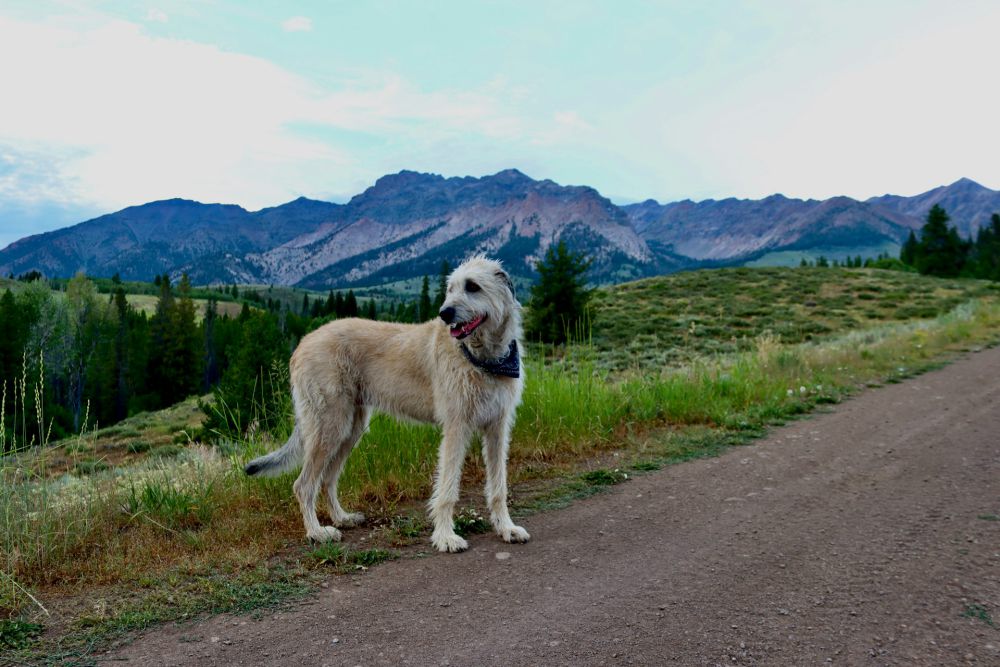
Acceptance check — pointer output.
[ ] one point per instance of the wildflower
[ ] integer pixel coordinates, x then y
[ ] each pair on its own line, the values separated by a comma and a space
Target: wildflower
802, 390
791, 392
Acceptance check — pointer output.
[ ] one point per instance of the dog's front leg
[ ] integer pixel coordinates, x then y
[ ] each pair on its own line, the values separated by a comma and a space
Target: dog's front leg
446, 488
496, 443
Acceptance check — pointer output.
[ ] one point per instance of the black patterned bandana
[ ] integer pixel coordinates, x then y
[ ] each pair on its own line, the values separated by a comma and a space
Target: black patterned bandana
508, 366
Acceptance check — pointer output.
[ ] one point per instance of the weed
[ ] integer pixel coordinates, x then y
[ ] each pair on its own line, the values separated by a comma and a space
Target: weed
78, 447
602, 477
166, 451
404, 530
138, 447
16, 634
343, 560
470, 522
89, 466
169, 507
328, 553
980, 612
989, 517
369, 557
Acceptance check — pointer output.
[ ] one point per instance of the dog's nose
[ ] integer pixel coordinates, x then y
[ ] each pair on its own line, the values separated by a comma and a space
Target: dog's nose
447, 314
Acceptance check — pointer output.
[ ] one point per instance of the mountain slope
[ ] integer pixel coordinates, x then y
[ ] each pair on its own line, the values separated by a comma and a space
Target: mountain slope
407, 223
165, 236
729, 229
969, 204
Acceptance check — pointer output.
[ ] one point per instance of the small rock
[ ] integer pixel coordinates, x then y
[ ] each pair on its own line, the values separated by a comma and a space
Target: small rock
215, 640
503, 555
335, 640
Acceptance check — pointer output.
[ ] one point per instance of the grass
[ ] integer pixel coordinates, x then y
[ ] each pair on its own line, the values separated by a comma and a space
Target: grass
168, 531
342, 559
670, 320
17, 634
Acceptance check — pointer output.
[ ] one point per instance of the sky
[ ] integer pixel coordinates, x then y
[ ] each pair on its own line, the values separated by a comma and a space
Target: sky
110, 104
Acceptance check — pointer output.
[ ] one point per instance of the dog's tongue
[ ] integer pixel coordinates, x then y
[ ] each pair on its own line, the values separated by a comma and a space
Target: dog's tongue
466, 329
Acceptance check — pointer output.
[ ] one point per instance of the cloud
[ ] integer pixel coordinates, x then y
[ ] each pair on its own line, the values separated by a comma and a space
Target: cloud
109, 116
297, 24
154, 15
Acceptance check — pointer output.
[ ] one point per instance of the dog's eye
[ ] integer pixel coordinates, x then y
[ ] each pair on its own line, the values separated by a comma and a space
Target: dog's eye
471, 286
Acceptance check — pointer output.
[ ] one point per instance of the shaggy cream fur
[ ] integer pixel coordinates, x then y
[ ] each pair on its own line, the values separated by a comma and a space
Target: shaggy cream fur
346, 369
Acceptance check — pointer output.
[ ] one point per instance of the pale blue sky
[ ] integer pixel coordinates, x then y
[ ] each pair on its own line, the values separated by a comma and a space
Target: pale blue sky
109, 104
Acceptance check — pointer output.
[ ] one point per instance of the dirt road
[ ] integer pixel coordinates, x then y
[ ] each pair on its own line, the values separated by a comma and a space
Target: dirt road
866, 536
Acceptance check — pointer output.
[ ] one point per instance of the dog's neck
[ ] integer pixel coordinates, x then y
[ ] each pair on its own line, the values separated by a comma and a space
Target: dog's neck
489, 348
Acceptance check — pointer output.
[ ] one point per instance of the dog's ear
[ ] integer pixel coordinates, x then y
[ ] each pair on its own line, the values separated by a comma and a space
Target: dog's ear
502, 275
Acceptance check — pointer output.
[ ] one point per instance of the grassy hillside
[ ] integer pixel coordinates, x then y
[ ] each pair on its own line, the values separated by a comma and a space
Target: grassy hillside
136, 524
670, 320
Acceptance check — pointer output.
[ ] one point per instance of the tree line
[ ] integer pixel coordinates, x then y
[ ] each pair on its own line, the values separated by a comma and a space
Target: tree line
941, 251
74, 357
76, 353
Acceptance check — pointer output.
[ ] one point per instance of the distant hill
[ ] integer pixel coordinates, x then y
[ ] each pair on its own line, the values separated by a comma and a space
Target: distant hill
733, 229
140, 242
969, 204
405, 224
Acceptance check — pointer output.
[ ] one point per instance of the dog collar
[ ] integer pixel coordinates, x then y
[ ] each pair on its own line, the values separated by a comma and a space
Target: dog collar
508, 366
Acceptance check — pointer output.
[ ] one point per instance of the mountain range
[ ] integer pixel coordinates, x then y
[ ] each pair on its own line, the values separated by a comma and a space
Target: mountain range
405, 224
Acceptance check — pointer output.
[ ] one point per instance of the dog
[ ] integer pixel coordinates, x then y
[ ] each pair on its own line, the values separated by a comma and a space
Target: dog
461, 371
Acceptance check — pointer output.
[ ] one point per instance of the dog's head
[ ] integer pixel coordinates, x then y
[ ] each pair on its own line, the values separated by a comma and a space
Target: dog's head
481, 302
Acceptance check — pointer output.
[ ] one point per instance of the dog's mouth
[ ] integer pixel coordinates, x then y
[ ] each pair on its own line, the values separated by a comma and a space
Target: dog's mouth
460, 330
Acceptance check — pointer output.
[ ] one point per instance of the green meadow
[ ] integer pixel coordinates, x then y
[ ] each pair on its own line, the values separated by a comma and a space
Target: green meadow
138, 524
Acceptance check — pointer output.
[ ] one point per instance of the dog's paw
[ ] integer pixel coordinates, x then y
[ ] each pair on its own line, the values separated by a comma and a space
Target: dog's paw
350, 519
515, 534
324, 534
450, 543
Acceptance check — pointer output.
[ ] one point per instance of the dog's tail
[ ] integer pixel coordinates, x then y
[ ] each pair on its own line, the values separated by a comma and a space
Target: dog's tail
281, 460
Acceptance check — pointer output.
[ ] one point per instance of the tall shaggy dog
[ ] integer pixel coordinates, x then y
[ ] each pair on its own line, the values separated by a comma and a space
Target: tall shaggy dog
461, 371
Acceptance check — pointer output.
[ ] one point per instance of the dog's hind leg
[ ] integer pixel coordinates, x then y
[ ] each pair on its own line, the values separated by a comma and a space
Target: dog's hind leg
446, 488
324, 428
496, 443
336, 466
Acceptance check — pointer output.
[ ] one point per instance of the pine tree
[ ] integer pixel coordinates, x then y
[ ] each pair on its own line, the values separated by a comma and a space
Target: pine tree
121, 309
185, 346
249, 389
338, 305
908, 253
940, 251
986, 262
442, 286
424, 305
350, 305
305, 305
211, 373
558, 306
